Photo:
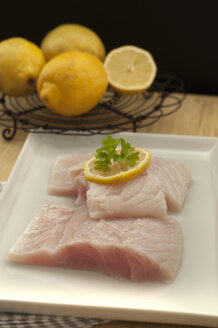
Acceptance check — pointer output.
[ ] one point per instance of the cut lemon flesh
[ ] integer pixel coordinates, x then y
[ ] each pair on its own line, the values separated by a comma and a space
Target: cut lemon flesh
119, 172
130, 69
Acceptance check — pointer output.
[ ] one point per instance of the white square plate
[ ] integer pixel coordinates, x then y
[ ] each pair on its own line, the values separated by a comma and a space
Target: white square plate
192, 298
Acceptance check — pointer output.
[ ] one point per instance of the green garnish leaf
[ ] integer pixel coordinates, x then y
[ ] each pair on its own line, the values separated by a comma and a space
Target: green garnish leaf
107, 154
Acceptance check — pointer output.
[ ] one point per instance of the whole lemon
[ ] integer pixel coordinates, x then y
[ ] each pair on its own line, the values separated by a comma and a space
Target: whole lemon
72, 37
20, 64
72, 83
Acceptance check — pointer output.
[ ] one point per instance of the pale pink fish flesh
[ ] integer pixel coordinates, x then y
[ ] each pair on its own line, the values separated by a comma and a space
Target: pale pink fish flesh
143, 249
138, 197
175, 179
61, 182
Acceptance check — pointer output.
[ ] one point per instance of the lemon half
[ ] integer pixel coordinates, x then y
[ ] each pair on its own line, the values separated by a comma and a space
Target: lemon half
119, 172
130, 69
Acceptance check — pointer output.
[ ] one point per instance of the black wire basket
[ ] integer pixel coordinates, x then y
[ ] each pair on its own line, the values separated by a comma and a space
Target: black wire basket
114, 113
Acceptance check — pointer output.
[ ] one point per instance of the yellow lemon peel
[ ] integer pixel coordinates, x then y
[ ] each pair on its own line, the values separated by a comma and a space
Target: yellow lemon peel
119, 172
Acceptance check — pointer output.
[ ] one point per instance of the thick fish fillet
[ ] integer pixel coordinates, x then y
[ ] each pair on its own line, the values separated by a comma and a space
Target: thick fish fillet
139, 197
143, 249
175, 179
173, 176
61, 182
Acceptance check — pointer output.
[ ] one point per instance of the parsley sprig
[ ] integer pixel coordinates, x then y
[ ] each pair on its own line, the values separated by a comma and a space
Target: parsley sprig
108, 154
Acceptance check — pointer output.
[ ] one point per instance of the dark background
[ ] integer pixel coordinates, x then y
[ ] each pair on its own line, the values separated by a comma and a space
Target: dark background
181, 35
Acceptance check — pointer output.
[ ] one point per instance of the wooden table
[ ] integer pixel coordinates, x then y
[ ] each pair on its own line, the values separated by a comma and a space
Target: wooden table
197, 116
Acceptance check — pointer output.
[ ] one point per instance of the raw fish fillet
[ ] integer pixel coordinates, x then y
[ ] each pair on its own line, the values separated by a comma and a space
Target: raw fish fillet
138, 197
61, 182
142, 249
175, 179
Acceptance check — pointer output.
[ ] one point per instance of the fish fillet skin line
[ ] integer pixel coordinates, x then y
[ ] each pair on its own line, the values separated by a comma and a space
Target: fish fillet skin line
143, 249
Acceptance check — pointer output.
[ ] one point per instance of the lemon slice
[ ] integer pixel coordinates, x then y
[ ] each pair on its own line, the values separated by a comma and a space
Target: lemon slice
130, 69
119, 171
